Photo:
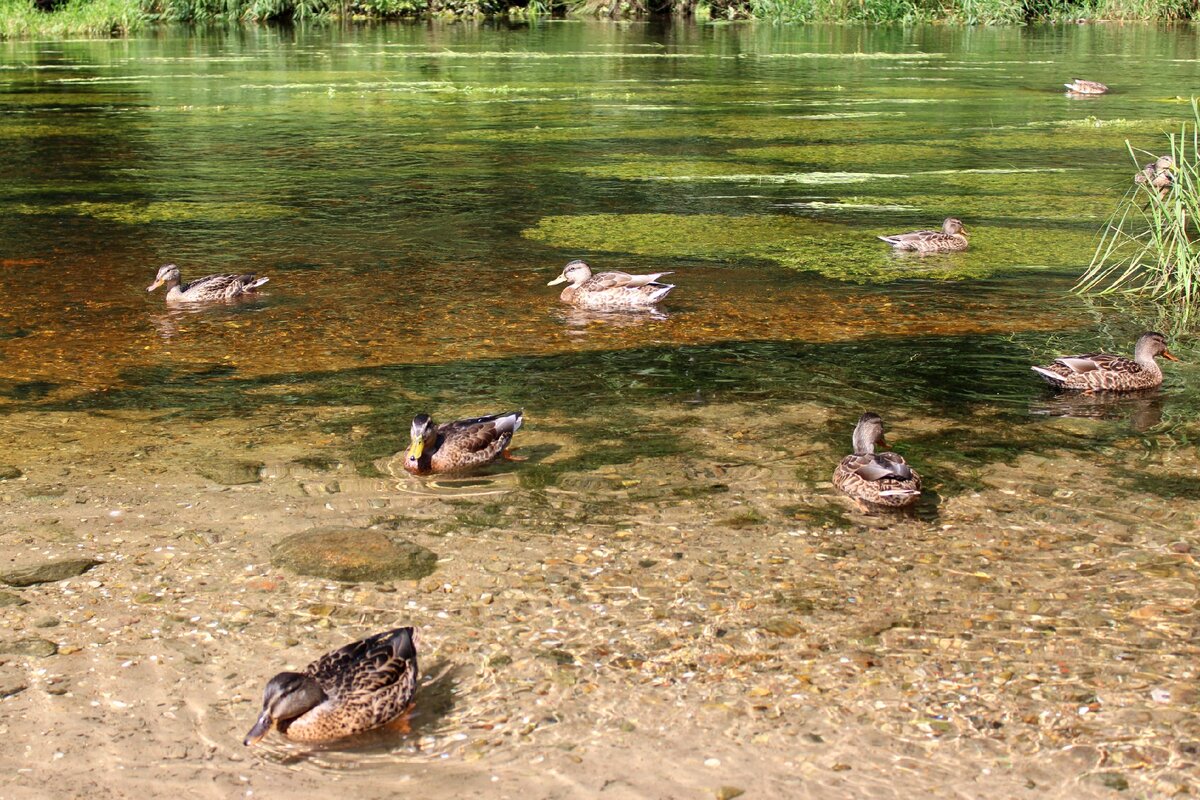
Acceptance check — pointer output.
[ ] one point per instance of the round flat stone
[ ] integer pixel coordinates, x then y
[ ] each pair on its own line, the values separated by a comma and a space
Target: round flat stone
353, 555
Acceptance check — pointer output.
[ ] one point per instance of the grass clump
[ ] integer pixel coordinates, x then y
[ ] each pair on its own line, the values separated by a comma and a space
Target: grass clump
1151, 244
23, 18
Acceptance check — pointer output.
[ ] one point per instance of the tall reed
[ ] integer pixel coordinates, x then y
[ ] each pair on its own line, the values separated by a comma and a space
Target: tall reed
1151, 244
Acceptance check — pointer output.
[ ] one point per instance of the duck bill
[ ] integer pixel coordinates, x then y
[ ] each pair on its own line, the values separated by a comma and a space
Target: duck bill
260, 729
154, 286
416, 450
558, 280
1169, 356
882, 442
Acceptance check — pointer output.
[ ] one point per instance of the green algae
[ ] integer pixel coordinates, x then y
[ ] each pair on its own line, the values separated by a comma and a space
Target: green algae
833, 250
850, 155
138, 213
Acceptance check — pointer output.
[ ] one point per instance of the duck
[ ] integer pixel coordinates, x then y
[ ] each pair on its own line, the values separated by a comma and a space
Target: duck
207, 289
462, 445
365, 685
950, 239
610, 291
876, 480
1158, 175
1078, 86
1100, 372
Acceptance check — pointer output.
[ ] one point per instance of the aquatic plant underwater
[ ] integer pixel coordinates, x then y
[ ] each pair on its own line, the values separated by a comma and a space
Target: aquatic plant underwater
1151, 243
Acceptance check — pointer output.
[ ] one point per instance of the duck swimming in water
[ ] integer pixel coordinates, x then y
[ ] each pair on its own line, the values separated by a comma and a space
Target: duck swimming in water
211, 288
610, 291
462, 445
364, 685
876, 480
950, 239
1100, 372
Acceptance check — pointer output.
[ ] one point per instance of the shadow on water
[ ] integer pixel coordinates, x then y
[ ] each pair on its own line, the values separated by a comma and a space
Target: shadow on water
967, 401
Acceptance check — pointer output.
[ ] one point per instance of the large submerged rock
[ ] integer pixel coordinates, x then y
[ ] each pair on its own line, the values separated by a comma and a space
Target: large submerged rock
47, 571
353, 555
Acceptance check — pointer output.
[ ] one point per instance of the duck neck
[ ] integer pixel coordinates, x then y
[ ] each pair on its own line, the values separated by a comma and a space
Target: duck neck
1144, 356
864, 445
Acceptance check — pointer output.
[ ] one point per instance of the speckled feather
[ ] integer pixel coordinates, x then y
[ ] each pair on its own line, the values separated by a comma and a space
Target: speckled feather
950, 239
466, 444
882, 479
1100, 372
368, 683
219, 287
617, 291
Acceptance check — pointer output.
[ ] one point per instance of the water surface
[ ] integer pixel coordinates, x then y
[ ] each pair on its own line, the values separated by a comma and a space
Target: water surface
410, 190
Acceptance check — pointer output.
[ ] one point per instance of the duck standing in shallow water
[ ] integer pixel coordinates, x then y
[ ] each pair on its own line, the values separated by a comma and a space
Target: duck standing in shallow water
950, 239
610, 291
876, 480
364, 685
461, 445
1077, 86
208, 289
1100, 372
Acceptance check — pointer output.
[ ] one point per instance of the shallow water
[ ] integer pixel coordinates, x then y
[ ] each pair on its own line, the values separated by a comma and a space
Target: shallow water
411, 189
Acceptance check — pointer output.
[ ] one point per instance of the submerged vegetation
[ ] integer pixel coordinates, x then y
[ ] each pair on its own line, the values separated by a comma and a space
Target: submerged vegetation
116, 17
1151, 245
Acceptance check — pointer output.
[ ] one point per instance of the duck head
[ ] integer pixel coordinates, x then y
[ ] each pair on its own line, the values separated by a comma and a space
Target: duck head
574, 273
422, 435
1150, 345
167, 274
288, 695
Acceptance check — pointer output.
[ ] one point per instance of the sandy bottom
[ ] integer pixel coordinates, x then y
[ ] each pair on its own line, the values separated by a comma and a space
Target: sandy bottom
681, 626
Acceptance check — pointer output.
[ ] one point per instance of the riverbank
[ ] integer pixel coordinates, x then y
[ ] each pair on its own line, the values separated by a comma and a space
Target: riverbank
50, 19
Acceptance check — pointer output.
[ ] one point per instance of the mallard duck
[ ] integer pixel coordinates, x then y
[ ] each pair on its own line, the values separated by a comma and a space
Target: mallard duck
1077, 86
461, 445
610, 291
207, 289
364, 685
1158, 175
950, 239
876, 479
1100, 372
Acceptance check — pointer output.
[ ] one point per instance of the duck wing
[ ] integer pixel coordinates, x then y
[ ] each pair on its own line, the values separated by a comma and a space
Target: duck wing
909, 238
480, 433
881, 466
367, 666
620, 280
1091, 362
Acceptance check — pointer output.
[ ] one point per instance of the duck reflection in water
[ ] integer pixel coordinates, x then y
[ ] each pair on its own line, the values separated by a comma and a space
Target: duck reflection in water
1144, 408
580, 320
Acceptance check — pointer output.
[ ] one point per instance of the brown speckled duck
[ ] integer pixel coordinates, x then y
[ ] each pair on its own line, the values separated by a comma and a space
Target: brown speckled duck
460, 446
876, 480
211, 288
950, 239
1158, 175
610, 291
1077, 86
364, 685
1100, 372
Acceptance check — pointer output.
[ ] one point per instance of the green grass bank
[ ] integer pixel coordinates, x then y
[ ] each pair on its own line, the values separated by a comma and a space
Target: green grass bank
57, 18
